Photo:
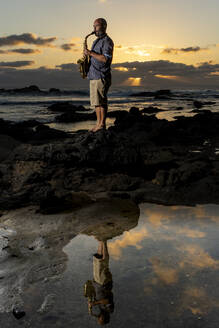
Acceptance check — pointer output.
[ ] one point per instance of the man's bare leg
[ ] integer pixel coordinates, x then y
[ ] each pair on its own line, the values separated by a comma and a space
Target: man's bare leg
103, 114
102, 249
102, 122
105, 249
97, 108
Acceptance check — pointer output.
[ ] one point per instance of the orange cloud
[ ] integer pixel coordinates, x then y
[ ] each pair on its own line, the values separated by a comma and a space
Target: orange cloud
171, 77
129, 238
197, 300
124, 69
165, 273
196, 257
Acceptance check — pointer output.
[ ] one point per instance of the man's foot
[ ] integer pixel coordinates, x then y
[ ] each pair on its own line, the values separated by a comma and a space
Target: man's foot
93, 129
100, 127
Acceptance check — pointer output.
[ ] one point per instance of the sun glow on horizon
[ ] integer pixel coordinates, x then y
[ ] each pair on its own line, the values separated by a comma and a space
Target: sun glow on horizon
170, 77
132, 81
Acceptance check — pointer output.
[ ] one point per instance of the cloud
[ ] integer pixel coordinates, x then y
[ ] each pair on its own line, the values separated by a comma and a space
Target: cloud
17, 63
164, 272
171, 73
154, 74
198, 301
196, 257
26, 38
68, 46
183, 50
142, 46
68, 66
21, 51
133, 50
129, 238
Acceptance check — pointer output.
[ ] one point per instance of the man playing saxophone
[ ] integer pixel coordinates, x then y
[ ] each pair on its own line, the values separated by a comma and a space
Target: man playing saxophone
99, 74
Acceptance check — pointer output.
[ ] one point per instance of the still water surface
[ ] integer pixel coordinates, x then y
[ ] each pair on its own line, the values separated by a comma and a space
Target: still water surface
164, 266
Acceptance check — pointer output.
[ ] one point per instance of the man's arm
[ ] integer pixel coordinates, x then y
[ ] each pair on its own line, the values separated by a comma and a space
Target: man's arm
95, 55
98, 56
107, 49
107, 52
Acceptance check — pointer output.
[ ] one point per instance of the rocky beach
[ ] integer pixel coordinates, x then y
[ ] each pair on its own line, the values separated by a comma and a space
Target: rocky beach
140, 157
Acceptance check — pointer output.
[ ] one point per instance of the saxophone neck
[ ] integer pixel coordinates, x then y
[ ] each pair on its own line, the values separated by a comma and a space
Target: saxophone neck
85, 41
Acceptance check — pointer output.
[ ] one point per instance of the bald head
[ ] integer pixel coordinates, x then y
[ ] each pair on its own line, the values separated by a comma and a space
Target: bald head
100, 26
102, 21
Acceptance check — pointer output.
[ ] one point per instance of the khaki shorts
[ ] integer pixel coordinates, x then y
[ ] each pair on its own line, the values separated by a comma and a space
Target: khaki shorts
101, 271
98, 92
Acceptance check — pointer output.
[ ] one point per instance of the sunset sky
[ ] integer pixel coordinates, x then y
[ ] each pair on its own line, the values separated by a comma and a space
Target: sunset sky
158, 43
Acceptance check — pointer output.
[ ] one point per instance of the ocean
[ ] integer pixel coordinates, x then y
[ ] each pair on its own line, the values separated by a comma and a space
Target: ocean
22, 107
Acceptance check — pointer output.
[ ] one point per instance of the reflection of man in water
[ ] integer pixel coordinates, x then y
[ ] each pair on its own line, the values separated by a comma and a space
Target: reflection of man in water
102, 283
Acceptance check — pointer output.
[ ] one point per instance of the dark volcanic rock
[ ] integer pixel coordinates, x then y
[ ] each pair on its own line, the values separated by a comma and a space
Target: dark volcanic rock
30, 131
157, 94
151, 110
54, 90
75, 117
65, 106
27, 90
140, 157
179, 108
199, 104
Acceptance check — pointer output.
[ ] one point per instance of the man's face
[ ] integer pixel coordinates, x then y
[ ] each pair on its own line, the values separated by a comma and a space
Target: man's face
98, 28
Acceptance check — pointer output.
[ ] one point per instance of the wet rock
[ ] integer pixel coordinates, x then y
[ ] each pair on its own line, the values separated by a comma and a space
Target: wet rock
47, 304
139, 152
54, 203
157, 94
162, 97
116, 113
18, 313
75, 117
142, 94
26, 90
134, 111
150, 110
179, 108
65, 106
7, 144
197, 104
30, 131
183, 175
54, 90
37, 244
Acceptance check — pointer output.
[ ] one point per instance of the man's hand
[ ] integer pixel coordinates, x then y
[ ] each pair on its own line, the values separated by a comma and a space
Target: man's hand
87, 52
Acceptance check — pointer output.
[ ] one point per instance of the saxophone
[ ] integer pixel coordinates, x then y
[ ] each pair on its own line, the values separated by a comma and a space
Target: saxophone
84, 62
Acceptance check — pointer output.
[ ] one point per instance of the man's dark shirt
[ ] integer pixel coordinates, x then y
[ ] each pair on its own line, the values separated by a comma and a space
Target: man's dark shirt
102, 45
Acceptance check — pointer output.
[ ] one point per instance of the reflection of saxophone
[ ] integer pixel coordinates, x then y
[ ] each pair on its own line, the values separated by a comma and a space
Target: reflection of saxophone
84, 63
